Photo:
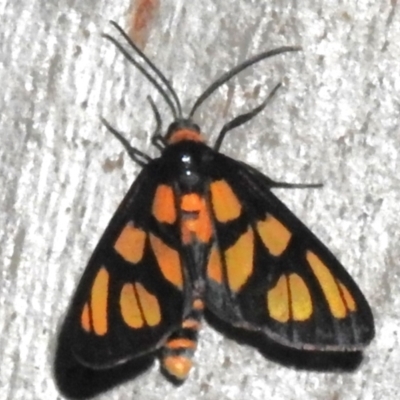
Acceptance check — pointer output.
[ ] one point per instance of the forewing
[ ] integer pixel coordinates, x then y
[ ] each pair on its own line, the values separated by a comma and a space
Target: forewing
268, 272
132, 293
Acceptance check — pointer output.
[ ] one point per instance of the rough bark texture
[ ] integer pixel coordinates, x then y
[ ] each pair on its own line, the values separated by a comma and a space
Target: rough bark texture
336, 121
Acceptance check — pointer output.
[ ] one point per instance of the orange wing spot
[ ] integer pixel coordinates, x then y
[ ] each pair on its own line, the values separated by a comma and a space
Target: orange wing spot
328, 285
99, 302
177, 366
185, 134
129, 306
181, 343
191, 324
168, 260
214, 266
85, 318
149, 305
278, 300
239, 260
130, 243
348, 298
195, 225
164, 205
301, 304
225, 203
274, 235
198, 304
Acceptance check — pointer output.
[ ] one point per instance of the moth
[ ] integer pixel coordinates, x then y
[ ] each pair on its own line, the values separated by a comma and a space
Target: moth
200, 231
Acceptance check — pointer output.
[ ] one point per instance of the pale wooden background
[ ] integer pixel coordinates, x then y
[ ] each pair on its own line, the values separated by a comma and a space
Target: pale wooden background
62, 175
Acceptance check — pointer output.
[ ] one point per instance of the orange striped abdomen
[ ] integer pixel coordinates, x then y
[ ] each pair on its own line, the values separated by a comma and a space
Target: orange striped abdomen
178, 351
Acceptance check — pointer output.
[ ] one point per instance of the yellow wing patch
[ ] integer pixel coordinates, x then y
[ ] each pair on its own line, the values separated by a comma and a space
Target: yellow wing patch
85, 318
130, 243
239, 260
289, 299
98, 305
225, 203
278, 300
163, 207
336, 294
138, 306
149, 305
274, 235
130, 307
214, 266
348, 298
300, 298
168, 260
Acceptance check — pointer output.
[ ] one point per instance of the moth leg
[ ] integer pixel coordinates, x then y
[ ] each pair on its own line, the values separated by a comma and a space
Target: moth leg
159, 142
177, 353
270, 183
287, 185
135, 154
157, 139
243, 118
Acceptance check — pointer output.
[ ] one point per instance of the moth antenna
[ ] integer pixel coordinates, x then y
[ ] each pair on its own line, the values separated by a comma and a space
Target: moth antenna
176, 114
236, 70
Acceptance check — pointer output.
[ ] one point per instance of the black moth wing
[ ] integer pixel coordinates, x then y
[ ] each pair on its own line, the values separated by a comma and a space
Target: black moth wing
340, 323
121, 342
